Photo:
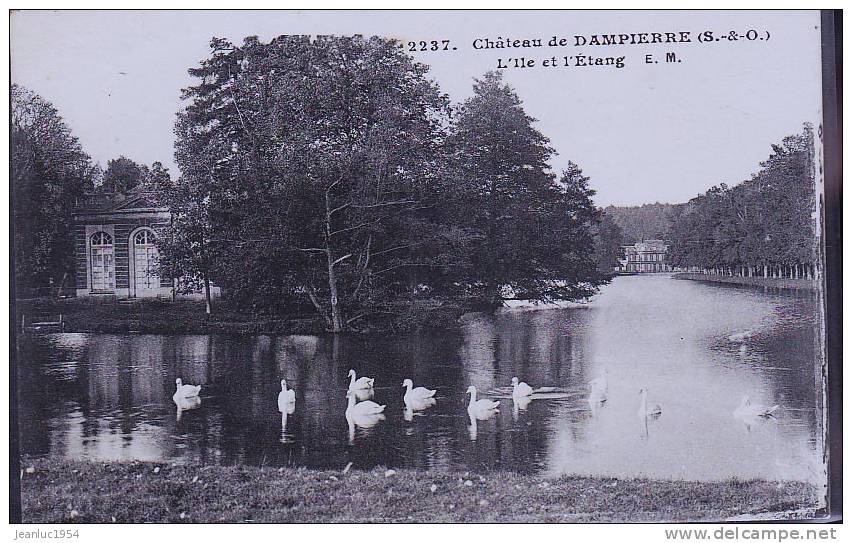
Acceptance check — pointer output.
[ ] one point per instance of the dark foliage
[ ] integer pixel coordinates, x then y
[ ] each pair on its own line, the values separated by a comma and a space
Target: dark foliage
533, 237
123, 175
638, 223
763, 226
327, 170
50, 172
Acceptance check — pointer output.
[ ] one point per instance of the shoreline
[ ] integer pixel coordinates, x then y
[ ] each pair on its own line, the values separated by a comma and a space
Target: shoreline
166, 317
130, 492
769, 282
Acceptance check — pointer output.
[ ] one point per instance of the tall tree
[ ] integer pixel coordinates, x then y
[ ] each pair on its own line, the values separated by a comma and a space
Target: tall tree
49, 173
535, 240
317, 161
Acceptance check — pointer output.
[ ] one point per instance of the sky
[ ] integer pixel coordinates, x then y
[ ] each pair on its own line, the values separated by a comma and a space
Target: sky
644, 133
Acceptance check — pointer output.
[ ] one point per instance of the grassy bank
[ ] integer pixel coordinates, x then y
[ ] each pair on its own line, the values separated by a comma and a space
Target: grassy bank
794, 284
110, 315
152, 316
148, 492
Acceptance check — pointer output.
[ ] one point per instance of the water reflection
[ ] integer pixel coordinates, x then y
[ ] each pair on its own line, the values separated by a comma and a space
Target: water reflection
109, 397
185, 404
414, 405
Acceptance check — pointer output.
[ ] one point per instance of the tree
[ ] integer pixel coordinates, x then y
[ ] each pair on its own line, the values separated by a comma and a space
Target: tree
535, 240
49, 173
184, 244
123, 175
608, 242
317, 162
156, 178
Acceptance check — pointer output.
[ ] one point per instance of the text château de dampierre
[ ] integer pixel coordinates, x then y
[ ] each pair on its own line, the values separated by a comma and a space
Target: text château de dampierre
584, 40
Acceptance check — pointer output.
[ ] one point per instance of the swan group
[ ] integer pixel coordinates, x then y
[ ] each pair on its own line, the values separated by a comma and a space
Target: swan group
367, 413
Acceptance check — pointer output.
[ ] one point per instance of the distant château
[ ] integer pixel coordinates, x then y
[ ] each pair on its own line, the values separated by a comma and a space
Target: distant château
647, 256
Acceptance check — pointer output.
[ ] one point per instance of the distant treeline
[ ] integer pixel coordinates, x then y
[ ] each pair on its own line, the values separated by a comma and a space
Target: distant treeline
764, 226
637, 223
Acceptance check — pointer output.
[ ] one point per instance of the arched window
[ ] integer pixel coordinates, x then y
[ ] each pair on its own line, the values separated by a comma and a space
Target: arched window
103, 262
145, 260
144, 237
101, 238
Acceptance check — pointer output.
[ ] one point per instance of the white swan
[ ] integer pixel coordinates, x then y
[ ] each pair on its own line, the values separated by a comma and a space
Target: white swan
748, 410
286, 398
185, 391
363, 408
362, 415
360, 383
644, 410
413, 394
475, 416
521, 389
483, 406
599, 390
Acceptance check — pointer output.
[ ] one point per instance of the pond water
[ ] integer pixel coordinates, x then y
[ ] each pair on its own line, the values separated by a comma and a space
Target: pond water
109, 397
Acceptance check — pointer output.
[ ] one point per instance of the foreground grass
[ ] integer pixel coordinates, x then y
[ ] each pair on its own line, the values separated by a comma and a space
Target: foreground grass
54, 492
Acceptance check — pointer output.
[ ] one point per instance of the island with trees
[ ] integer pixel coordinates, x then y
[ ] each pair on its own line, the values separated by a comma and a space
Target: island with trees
328, 184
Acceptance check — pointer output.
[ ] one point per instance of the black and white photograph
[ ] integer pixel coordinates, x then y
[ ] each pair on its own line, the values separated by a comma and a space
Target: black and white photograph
427, 266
